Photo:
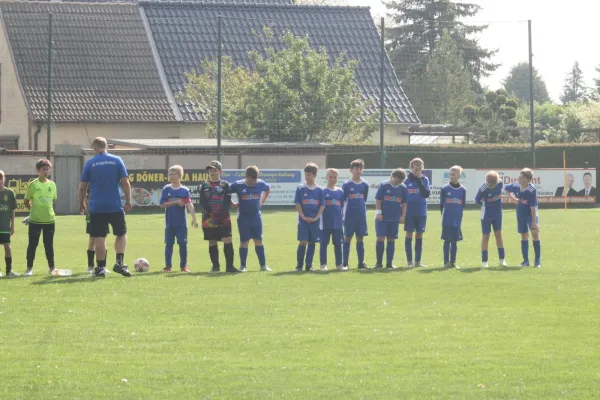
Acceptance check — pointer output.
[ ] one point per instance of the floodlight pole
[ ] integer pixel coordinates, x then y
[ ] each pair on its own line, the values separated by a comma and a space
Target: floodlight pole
531, 103
382, 96
49, 103
219, 87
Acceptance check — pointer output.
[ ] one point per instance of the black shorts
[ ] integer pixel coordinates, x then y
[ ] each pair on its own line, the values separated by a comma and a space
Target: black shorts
88, 228
218, 233
4, 238
99, 223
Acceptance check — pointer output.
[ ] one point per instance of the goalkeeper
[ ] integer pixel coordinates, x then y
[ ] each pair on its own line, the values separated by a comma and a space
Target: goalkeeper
215, 199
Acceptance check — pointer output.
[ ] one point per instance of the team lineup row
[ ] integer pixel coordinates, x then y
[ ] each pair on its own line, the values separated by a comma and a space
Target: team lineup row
325, 214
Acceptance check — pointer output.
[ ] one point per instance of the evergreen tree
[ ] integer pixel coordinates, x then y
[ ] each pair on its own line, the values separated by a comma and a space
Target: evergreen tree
574, 89
517, 84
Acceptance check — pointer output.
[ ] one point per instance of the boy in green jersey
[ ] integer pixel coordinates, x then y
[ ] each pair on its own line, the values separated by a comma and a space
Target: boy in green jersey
8, 205
39, 200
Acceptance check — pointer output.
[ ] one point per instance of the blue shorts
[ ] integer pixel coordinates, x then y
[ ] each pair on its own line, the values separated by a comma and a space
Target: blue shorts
335, 235
452, 233
487, 225
415, 224
309, 232
250, 228
179, 232
356, 225
524, 223
387, 229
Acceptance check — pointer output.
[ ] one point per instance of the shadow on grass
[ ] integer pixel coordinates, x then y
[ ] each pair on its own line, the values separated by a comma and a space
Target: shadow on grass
381, 270
470, 270
504, 269
66, 280
430, 270
205, 274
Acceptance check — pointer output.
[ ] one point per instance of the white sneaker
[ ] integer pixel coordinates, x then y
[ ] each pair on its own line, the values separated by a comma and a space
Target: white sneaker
29, 272
0, 274
344, 268
411, 265
419, 265
90, 270
12, 273
484, 264
339, 267
503, 263
324, 267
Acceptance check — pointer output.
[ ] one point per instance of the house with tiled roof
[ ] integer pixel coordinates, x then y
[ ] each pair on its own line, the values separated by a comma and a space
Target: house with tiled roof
118, 68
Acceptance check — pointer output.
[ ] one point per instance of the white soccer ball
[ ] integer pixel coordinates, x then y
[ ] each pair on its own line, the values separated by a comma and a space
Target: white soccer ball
142, 265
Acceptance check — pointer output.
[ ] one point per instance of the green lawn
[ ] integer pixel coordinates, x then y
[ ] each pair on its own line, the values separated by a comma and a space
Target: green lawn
499, 333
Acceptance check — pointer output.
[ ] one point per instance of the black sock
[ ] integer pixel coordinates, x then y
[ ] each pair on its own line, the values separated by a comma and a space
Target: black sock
8, 261
91, 254
120, 257
214, 255
101, 263
228, 250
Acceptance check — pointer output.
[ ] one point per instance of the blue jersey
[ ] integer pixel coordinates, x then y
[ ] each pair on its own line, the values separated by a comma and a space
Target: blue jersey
527, 198
417, 202
490, 200
334, 202
392, 198
310, 199
249, 196
356, 197
175, 216
452, 202
103, 173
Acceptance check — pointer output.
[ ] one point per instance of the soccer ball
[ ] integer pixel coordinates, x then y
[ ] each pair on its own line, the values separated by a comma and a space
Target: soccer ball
141, 265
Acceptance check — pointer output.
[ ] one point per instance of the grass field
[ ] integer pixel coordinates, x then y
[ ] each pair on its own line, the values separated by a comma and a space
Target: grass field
472, 334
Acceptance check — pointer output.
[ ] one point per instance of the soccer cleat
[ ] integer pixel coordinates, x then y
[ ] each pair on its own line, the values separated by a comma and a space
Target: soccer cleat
524, 264
29, 272
484, 264
363, 266
166, 269
265, 268
100, 272
538, 264
215, 270
122, 269
378, 266
12, 273
232, 270
410, 265
243, 268
418, 264
324, 267
298, 269
309, 269
185, 269
453, 265
90, 270
503, 263
391, 266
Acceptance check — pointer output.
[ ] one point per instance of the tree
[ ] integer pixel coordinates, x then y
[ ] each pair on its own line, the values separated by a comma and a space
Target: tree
448, 85
517, 84
292, 94
301, 96
574, 89
495, 121
597, 80
418, 25
201, 90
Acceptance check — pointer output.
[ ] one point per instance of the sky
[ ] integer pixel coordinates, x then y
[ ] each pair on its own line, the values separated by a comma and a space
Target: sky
562, 33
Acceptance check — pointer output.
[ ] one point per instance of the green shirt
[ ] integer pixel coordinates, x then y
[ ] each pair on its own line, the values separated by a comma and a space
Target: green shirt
8, 203
42, 196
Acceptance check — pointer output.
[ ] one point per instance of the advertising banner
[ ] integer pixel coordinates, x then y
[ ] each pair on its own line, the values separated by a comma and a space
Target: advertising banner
550, 184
